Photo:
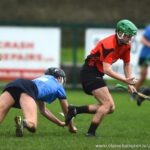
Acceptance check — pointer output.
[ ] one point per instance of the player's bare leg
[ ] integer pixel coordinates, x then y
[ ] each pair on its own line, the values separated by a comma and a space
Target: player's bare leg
143, 75
6, 101
29, 109
107, 106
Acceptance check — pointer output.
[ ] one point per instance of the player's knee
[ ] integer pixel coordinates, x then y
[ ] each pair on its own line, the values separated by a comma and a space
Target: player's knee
103, 109
112, 109
109, 107
144, 74
143, 78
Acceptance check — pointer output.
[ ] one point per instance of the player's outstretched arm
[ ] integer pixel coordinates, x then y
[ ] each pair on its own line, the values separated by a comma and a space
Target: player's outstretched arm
49, 115
64, 105
108, 70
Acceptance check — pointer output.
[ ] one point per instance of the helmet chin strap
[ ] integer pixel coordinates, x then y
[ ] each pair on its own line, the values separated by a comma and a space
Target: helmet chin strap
61, 80
120, 37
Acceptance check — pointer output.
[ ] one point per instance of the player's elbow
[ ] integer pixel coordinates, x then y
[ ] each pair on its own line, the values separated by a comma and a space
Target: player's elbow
107, 71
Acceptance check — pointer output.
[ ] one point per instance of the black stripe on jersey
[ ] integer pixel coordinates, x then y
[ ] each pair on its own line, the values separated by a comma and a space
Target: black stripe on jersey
106, 51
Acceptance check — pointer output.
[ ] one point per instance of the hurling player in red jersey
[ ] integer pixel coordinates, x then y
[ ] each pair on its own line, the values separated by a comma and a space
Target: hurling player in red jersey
98, 63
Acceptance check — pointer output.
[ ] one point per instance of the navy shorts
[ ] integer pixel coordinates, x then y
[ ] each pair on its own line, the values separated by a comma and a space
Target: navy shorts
144, 62
91, 79
19, 86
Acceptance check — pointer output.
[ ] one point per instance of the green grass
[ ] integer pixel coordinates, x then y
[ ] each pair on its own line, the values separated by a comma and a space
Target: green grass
129, 125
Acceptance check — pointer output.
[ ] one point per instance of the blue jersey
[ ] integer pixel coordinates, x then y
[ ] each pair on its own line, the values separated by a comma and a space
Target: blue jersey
145, 51
49, 89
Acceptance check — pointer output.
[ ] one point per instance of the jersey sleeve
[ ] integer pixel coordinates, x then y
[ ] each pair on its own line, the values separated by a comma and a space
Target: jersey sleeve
147, 32
61, 94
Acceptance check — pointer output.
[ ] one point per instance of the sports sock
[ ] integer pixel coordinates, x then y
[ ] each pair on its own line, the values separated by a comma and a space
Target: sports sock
31, 129
92, 128
24, 123
82, 109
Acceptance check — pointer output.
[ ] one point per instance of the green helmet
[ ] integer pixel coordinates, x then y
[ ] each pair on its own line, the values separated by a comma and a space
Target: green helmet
126, 27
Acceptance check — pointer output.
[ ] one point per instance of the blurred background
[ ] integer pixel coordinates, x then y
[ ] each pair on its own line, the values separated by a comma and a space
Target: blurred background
37, 34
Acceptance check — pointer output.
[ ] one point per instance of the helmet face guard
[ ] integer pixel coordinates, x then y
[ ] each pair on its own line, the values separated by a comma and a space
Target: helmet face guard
123, 38
125, 30
62, 80
58, 73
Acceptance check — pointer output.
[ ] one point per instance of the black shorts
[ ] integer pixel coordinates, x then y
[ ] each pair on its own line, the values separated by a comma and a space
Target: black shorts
18, 86
143, 62
91, 79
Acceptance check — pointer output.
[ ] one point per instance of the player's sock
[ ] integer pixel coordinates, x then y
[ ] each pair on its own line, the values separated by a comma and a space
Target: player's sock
82, 109
32, 129
24, 123
92, 128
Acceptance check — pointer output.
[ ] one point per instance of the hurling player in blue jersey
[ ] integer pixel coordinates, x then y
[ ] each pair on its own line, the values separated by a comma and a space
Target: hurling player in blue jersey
28, 94
144, 58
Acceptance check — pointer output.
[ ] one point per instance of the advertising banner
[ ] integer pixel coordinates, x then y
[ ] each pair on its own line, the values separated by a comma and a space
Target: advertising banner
27, 51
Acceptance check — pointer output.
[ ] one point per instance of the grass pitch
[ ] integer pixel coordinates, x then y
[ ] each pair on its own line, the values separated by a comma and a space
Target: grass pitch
127, 128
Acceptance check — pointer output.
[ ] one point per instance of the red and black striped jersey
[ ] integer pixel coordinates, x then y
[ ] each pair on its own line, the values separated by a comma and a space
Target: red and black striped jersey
108, 50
